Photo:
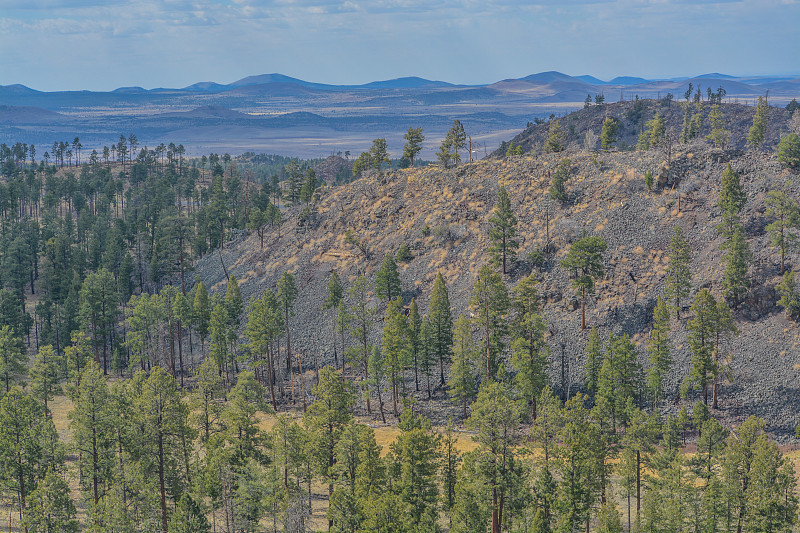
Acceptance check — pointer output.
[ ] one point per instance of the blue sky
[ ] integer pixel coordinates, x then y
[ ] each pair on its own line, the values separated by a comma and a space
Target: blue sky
102, 45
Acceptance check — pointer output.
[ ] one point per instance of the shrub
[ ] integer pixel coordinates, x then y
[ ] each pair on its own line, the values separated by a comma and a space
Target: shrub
789, 151
403, 254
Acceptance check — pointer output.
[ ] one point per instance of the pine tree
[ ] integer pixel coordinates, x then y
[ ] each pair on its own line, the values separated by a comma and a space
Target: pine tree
387, 280
218, 337
789, 151
396, 347
45, 375
162, 420
528, 347
495, 418
415, 338
201, 311
719, 135
92, 424
28, 446
98, 311
263, 328
188, 517
558, 190
310, 185
12, 357
679, 276
731, 196
417, 452
287, 294
360, 318
638, 441
440, 332
326, 418
458, 139
608, 135
619, 379
759, 482
790, 295
594, 360
377, 373
737, 259
234, 305
702, 334
659, 349
490, 303
333, 296
502, 231
585, 261
50, 508
787, 216
757, 132
413, 146
654, 132
451, 460
576, 434
463, 375
555, 138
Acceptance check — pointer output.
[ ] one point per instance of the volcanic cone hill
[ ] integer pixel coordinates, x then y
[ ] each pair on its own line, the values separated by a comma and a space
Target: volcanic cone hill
442, 216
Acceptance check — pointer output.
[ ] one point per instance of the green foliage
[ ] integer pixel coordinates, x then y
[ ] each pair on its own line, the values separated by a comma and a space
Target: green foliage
495, 418
414, 139
758, 130
787, 216
50, 508
653, 134
536, 258
594, 360
679, 275
529, 349
789, 151
608, 135
98, 310
558, 182
737, 258
454, 141
702, 337
439, 334
513, 150
45, 375
403, 254
790, 295
555, 138
188, 517
387, 280
719, 135
12, 357
201, 311
659, 349
618, 381
463, 371
731, 196
502, 230
648, 180
584, 261
397, 347
490, 305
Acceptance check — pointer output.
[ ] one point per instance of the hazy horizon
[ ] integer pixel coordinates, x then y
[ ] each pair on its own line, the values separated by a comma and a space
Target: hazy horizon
59, 45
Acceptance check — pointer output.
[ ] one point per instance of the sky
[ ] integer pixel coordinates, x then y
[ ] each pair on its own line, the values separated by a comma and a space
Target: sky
102, 45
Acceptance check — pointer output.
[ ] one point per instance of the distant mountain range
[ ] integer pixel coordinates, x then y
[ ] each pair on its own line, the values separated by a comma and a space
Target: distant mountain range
282, 114
414, 82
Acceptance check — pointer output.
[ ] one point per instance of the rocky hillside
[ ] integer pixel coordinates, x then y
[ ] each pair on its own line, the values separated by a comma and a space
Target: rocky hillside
442, 216
632, 115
